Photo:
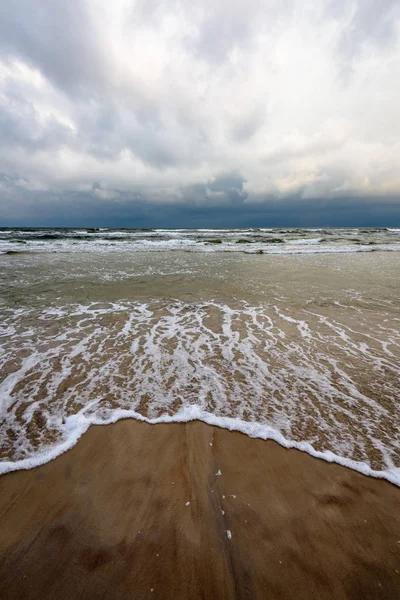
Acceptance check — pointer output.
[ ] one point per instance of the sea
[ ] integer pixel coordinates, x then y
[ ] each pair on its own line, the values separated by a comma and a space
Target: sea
291, 335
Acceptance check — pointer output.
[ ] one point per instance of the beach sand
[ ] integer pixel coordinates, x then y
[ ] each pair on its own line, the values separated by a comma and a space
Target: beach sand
193, 511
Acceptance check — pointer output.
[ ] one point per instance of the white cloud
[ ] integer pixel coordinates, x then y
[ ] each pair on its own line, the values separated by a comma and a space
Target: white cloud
299, 97
107, 194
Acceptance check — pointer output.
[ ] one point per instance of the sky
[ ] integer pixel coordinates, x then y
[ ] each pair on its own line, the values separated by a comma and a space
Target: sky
191, 113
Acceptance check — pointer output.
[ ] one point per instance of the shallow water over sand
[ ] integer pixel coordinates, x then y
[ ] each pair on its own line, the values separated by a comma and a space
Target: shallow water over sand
304, 349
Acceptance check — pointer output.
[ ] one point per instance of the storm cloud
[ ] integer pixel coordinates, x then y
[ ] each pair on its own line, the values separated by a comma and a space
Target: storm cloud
246, 112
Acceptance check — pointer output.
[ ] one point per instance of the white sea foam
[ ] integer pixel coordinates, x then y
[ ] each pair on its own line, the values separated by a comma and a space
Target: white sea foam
190, 245
201, 240
305, 241
257, 370
77, 425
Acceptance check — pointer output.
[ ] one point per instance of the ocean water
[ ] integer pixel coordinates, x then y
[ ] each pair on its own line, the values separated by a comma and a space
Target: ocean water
291, 335
262, 240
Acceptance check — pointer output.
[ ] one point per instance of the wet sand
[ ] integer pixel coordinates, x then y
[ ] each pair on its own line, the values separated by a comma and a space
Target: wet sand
111, 519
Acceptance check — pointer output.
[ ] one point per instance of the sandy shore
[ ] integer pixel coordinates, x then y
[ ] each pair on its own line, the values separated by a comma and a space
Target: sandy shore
141, 511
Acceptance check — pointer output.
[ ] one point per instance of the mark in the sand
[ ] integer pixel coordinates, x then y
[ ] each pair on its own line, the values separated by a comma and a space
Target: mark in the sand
334, 500
60, 534
93, 559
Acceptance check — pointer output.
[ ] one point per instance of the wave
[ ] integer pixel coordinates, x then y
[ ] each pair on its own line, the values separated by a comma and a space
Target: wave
266, 371
306, 241
207, 247
79, 424
246, 240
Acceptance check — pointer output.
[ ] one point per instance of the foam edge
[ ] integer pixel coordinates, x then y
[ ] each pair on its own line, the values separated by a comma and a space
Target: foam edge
78, 424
